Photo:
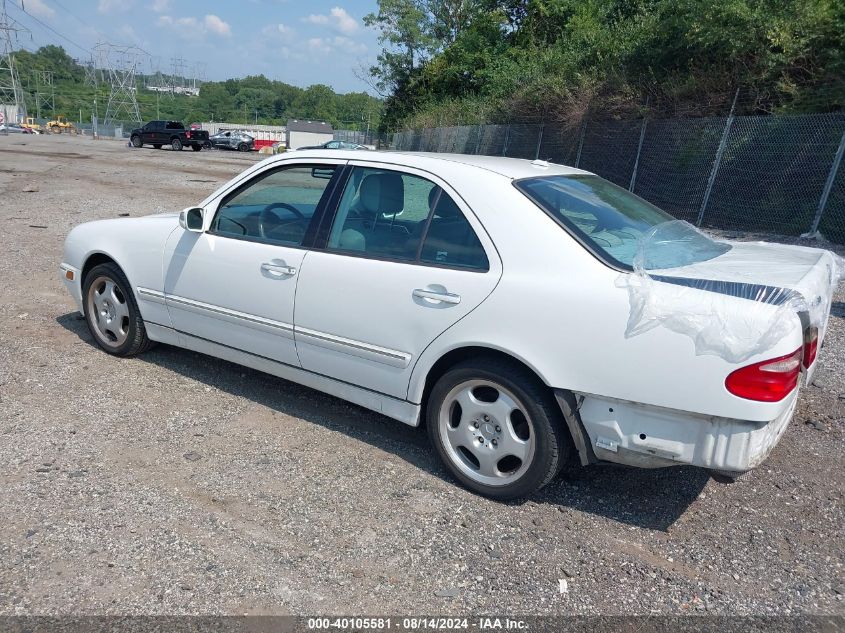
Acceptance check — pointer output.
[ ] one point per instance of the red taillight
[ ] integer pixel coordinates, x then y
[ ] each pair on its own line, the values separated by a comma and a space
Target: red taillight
768, 381
811, 345
188, 134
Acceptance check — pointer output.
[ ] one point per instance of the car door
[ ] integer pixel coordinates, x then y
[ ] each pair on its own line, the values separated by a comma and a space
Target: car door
400, 261
148, 133
235, 282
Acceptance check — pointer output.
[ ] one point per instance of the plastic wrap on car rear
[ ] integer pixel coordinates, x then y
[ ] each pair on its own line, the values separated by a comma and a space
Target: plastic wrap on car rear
695, 305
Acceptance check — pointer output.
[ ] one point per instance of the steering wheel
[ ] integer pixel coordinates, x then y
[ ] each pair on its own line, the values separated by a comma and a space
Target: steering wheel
267, 216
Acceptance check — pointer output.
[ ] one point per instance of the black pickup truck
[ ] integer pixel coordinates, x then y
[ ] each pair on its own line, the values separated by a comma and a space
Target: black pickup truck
173, 133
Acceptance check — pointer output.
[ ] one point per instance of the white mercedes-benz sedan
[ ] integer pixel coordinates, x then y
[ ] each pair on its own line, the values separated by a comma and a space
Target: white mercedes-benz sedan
529, 313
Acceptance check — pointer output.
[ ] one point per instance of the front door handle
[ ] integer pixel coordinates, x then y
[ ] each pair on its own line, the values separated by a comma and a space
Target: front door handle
278, 270
431, 295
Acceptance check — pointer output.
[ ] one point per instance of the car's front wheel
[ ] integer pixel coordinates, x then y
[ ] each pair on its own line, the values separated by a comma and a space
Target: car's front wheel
111, 312
497, 428
243, 147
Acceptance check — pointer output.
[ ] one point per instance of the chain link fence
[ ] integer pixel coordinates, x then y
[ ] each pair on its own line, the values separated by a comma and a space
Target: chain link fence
775, 174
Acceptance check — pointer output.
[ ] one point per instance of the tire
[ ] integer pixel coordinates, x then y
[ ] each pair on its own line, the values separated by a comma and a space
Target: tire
243, 147
196, 148
156, 146
111, 312
136, 141
538, 432
176, 145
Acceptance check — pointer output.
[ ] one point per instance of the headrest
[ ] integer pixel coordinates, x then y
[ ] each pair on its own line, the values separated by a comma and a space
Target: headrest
446, 207
382, 193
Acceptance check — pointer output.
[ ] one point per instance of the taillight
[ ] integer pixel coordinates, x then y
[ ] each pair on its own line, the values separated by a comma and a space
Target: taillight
811, 345
767, 381
188, 134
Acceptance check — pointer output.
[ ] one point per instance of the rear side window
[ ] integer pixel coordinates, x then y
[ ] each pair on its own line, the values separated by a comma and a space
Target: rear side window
175, 125
392, 215
450, 240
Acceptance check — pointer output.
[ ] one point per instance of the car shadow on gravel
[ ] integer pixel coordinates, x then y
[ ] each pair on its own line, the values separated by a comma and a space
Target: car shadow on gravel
652, 499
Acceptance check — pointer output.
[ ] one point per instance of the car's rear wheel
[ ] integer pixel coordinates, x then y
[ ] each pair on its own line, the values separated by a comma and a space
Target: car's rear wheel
497, 428
111, 312
176, 145
136, 141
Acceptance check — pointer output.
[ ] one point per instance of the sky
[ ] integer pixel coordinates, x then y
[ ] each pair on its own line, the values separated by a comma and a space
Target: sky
301, 42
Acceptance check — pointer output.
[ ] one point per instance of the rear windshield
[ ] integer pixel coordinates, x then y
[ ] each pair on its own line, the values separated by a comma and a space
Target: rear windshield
610, 221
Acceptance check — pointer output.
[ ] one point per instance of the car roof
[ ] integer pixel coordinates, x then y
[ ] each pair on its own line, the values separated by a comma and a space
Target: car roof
513, 168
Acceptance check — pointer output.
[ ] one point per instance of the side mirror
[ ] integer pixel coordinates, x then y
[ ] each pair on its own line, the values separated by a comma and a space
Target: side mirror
192, 219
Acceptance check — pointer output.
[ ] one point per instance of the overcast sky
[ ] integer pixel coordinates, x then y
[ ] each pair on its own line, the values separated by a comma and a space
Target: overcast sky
301, 42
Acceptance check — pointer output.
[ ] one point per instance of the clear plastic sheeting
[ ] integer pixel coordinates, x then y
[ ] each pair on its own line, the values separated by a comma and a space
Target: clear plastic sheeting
733, 299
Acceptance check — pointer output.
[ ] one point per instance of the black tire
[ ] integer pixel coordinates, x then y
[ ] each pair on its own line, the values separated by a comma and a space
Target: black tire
136, 141
157, 146
553, 445
207, 145
243, 147
176, 145
136, 341
196, 148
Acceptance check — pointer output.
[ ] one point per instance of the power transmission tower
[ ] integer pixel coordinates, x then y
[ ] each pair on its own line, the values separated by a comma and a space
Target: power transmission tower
121, 63
12, 102
198, 73
177, 80
45, 93
90, 68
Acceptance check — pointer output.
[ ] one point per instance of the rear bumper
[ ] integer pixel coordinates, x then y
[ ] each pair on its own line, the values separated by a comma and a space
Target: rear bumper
651, 437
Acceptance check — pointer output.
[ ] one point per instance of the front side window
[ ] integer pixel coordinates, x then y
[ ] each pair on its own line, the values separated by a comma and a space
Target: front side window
612, 221
276, 207
393, 215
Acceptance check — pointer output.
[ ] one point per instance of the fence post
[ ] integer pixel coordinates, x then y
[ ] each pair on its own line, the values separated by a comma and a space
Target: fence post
581, 142
507, 138
717, 161
478, 139
539, 141
828, 185
637, 159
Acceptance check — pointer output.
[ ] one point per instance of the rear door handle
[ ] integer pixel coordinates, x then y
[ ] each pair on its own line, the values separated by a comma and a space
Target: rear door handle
278, 270
431, 295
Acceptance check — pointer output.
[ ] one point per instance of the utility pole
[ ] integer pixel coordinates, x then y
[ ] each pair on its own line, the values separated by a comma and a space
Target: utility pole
11, 93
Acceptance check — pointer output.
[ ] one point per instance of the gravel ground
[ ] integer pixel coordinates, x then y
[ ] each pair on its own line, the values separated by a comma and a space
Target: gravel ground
176, 483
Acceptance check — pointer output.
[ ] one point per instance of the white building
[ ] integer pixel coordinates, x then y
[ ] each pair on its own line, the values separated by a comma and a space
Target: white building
306, 133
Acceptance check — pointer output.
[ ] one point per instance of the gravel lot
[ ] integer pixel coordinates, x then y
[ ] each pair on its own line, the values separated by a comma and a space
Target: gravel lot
176, 483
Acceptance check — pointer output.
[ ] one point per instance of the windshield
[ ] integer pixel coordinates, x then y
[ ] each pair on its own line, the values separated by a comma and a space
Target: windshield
612, 221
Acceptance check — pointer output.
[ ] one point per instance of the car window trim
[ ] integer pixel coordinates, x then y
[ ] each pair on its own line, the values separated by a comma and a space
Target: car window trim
333, 206
315, 219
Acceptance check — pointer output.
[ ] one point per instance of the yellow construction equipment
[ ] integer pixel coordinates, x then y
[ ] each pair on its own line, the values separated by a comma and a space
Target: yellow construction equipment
61, 125
31, 124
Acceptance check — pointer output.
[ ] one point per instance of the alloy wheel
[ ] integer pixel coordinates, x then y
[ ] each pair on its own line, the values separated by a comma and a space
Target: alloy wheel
108, 312
487, 432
